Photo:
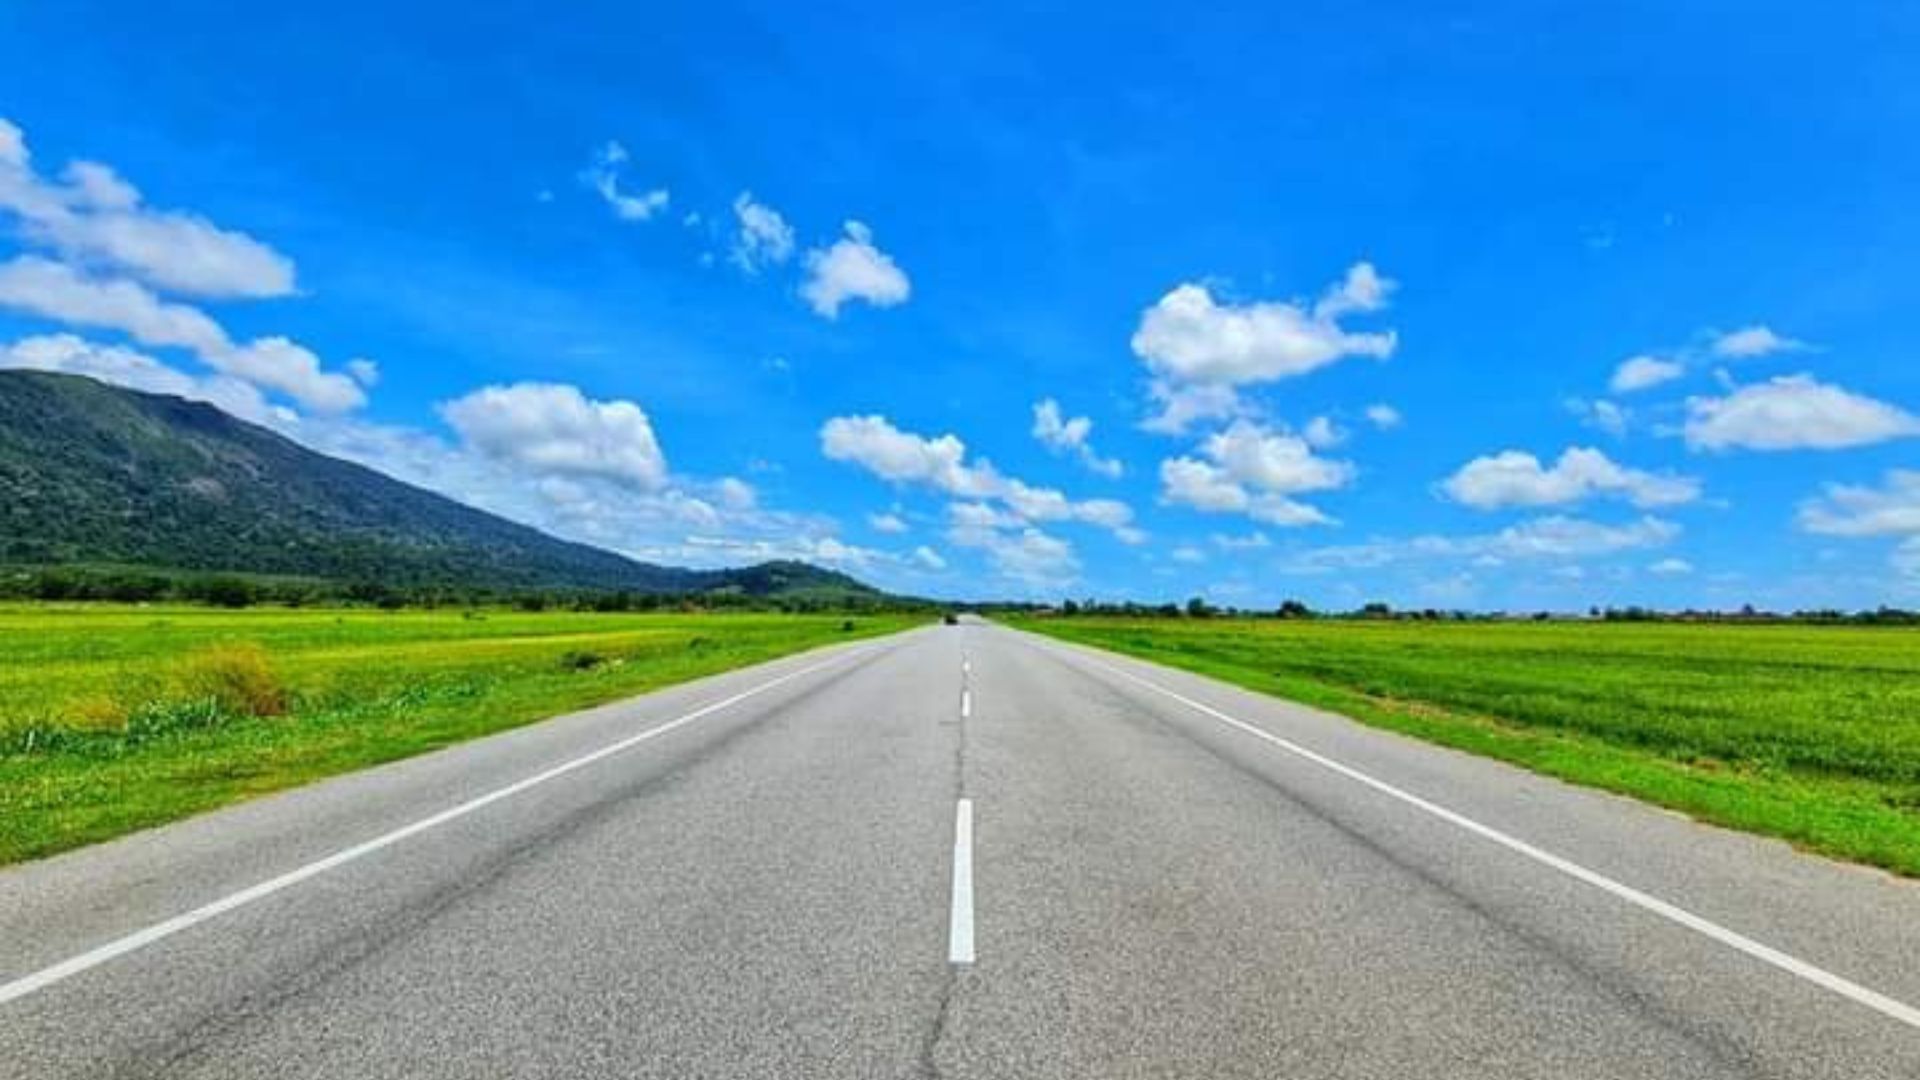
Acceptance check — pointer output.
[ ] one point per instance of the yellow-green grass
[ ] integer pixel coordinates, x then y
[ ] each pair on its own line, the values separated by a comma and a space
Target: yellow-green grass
116, 718
1808, 733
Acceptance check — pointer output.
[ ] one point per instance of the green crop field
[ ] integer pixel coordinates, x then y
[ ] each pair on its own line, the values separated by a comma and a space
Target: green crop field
114, 718
1808, 733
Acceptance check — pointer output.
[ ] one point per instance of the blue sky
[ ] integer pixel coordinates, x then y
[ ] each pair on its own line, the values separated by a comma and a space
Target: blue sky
1501, 307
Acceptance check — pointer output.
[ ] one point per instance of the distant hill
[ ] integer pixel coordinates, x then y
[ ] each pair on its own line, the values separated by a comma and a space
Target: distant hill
97, 474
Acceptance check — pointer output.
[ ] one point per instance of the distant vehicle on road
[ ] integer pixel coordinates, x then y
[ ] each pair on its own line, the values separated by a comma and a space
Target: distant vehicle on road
952, 619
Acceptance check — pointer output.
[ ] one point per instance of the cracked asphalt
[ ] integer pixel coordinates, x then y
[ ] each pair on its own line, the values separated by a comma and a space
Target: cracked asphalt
765, 891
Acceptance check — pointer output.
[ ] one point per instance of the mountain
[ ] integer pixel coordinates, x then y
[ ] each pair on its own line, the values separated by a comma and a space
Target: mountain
97, 474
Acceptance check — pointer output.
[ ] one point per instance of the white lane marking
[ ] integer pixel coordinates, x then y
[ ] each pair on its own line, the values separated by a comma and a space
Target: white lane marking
966, 704
140, 939
966, 666
1872, 999
960, 919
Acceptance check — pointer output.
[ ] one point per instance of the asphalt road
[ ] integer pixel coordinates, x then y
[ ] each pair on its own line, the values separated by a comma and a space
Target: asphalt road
771, 874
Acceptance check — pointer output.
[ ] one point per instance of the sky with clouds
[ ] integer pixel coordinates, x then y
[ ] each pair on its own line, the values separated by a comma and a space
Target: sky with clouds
1497, 306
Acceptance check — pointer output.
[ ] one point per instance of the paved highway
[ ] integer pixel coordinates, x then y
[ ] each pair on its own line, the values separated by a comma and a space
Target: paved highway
957, 852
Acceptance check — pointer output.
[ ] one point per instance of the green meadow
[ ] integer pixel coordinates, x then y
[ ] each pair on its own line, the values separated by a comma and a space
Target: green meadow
1807, 733
117, 717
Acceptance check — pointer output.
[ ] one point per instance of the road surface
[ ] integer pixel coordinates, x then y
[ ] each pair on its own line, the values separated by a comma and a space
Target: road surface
956, 852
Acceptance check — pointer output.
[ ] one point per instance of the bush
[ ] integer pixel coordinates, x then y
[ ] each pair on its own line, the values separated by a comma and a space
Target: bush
581, 660
236, 678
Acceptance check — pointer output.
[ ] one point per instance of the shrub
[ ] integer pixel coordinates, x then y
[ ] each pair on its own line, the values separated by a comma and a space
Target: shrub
581, 660
237, 678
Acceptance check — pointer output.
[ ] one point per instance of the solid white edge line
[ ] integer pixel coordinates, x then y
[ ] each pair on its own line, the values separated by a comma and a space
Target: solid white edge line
1861, 995
960, 918
45, 977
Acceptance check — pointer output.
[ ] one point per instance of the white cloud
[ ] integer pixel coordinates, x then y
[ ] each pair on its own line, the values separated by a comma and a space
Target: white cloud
875, 444
603, 176
1643, 372
1274, 461
1256, 471
1857, 511
1022, 553
887, 523
1322, 433
1671, 568
97, 219
135, 370
364, 371
1062, 435
58, 292
1188, 337
554, 428
1752, 341
763, 238
279, 364
929, 558
1516, 478
736, 494
853, 269
1850, 510
1602, 414
1187, 553
1182, 406
1383, 416
1552, 537
1793, 412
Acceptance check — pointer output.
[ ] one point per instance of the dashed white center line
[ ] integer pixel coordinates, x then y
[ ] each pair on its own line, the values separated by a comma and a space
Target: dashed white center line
966, 704
960, 920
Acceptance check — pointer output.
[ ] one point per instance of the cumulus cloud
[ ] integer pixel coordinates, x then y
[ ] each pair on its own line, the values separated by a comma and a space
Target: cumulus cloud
875, 444
887, 523
1638, 373
1752, 341
1189, 337
603, 176
852, 269
929, 558
1062, 435
95, 218
554, 428
1793, 412
1254, 470
1516, 478
1671, 568
762, 237
135, 370
56, 291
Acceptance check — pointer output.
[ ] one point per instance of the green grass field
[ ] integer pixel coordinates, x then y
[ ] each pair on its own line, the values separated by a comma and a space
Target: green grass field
115, 718
1807, 733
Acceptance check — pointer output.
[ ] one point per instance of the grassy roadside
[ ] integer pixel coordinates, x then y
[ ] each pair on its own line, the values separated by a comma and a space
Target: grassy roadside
117, 718
1810, 734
